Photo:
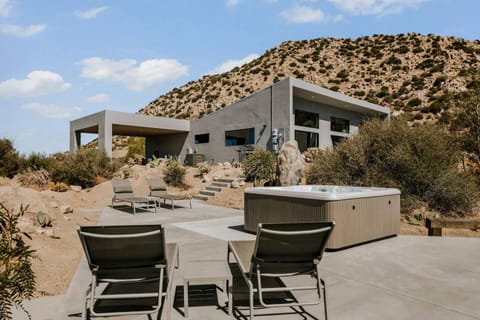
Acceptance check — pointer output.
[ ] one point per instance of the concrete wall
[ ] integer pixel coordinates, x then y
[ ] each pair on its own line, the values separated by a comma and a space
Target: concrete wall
250, 112
325, 112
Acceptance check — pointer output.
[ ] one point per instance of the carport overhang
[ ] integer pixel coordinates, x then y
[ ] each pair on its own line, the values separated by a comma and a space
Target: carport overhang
108, 123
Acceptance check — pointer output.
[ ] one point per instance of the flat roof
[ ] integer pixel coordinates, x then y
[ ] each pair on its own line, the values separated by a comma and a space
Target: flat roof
130, 124
316, 93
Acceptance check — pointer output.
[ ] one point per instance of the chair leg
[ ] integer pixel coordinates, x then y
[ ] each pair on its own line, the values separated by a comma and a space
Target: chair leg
251, 304
324, 289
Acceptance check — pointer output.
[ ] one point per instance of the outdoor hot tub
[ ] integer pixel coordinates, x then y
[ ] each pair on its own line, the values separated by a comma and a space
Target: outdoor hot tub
361, 214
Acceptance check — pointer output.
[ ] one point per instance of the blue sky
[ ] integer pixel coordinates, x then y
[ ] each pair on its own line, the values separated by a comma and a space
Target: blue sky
60, 60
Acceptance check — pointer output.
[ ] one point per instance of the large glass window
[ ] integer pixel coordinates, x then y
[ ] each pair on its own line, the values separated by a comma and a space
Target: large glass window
337, 139
306, 119
306, 140
202, 138
240, 137
339, 125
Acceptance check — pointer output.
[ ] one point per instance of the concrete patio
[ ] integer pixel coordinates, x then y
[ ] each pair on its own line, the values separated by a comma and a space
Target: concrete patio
405, 277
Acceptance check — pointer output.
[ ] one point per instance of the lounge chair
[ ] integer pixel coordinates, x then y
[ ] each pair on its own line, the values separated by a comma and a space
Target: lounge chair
282, 250
131, 270
158, 189
123, 192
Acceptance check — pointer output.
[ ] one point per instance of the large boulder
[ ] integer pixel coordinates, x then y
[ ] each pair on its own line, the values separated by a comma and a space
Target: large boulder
290, 164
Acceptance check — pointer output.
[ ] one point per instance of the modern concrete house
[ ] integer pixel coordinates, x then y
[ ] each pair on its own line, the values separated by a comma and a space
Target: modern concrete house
290, 109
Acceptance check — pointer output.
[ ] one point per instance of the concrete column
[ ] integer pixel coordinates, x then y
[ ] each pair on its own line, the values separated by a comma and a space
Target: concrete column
75, 140
105, 137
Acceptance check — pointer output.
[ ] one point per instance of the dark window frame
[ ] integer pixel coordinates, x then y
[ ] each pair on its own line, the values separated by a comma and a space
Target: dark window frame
200, 138
339, 125
235, 138
302, 119
312, 140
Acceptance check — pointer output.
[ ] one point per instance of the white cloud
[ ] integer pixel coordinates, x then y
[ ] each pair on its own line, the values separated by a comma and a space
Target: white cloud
90, 13
5, 7
306, 14
22, 32
37, 83
135, 76
232, 3
52, 111
98, 98
230, 64
375, 7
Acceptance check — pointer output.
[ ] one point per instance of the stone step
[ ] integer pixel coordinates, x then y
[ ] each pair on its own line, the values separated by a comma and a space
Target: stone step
213, 188
229, 180
221, 184
207, 193
200, 197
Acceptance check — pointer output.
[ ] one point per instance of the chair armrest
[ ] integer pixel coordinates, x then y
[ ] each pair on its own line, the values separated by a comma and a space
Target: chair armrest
242, 251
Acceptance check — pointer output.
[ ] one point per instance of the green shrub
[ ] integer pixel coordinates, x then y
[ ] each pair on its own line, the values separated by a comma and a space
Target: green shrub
17, 280
37, 161
10, 161
174, 173
136, 147
261, 164
421, 161
82, 167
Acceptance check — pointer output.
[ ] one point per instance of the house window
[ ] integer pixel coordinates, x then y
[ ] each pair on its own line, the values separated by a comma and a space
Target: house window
306, 140
240, 137
337, 139
339, 125
202, 138
306, 119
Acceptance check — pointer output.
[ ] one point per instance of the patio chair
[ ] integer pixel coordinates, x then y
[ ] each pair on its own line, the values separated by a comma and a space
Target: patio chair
158, 189
123, 192
131, 269
280, 251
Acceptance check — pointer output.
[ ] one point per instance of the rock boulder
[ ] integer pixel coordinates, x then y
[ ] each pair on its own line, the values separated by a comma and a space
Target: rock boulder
290, 164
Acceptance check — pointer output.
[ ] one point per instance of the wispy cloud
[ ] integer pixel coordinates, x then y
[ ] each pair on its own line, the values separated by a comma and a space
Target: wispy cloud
132, 74
307, 14
90, 13
52, 111
5, 7
37, 83
230, 64
22, 32
375, 7
98, 98
232, 3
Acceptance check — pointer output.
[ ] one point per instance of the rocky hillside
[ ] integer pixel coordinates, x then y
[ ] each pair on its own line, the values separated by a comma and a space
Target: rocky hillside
417, 76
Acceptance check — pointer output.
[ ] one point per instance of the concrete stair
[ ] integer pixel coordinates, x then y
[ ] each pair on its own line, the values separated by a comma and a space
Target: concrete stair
215, 187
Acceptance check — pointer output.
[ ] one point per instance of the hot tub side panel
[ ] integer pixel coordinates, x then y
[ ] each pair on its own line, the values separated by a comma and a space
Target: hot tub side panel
357, 220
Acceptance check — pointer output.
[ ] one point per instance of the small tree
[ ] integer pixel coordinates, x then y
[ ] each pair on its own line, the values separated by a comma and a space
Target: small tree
174, 173
260, 165
17, 280
10, 161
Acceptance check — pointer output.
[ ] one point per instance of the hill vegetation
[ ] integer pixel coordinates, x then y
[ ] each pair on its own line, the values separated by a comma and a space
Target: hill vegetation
419, 77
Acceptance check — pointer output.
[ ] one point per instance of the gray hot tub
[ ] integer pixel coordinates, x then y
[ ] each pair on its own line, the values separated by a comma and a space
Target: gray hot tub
361, 213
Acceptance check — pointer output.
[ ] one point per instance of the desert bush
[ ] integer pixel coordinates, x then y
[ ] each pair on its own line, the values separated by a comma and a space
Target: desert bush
10, 161
203, 168
174, 173
17, 280
82, 167
37, 161
39, 179
58, 187
421, 161
136, 147
261, 164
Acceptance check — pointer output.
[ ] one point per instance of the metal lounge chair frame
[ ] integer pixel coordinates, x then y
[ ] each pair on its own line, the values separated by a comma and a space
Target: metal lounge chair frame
283, 250
158, 189
123, 192
127, 256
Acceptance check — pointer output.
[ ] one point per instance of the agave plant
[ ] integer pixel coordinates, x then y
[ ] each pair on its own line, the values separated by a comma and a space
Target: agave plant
17, 280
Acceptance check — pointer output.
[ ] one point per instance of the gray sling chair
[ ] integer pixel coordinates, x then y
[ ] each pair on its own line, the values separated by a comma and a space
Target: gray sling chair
131, 270
158, 189
123, 192
282, 250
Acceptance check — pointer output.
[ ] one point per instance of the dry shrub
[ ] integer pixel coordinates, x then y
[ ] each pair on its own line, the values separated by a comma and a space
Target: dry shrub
59, 187
38, 179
